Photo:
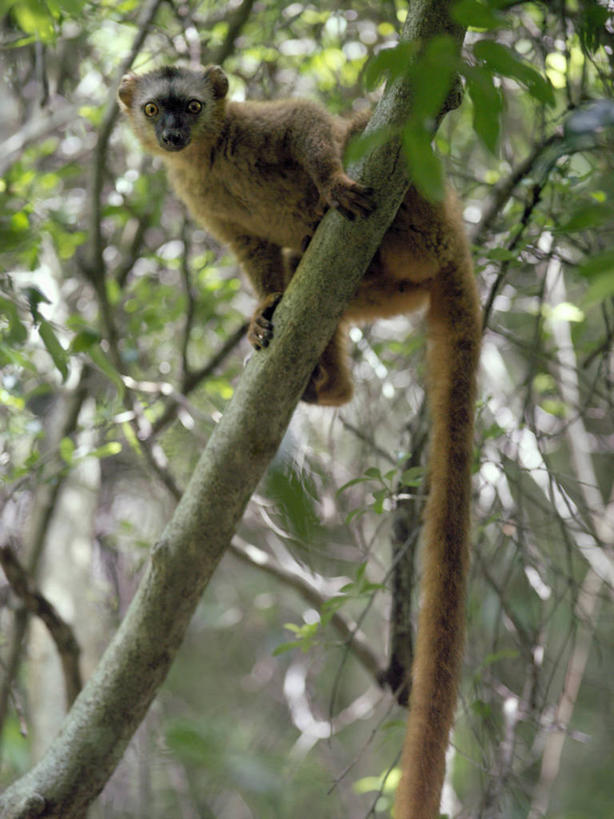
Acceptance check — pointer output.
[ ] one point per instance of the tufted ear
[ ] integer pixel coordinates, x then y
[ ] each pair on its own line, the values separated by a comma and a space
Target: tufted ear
125, 92
217, 79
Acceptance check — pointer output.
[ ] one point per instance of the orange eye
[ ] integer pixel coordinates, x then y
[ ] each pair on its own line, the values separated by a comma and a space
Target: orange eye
194, 107
150, 109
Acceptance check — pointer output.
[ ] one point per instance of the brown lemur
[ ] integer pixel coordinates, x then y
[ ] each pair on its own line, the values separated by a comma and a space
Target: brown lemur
259, 176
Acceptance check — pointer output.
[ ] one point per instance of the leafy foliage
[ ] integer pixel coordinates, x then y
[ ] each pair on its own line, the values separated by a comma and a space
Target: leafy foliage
120, 345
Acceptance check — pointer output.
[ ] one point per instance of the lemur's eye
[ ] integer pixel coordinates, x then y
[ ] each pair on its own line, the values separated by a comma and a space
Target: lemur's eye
150, 109
194, 107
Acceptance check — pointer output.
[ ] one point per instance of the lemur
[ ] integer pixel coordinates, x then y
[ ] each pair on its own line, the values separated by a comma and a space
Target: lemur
259, 176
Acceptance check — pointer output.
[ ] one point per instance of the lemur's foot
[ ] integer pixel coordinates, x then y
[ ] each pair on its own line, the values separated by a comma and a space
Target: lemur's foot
260, 330
328, 389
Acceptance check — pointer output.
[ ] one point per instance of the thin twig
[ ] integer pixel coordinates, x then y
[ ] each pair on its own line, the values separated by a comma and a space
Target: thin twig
235, 25
36, 603
143, 23
368, 439
504, 190
43, 507
587, 610
134, 251
42, 124
531, 204
196, 377
600, 522
356, 641
190, 295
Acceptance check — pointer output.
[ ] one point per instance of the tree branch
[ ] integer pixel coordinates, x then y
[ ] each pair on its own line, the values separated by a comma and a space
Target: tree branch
62, 423
36, 603
235, 25
95, 261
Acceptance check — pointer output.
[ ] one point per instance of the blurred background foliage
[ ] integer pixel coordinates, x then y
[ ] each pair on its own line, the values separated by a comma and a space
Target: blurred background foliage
121, 341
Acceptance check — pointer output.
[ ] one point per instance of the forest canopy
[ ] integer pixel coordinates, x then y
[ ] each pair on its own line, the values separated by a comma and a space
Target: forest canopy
122, 346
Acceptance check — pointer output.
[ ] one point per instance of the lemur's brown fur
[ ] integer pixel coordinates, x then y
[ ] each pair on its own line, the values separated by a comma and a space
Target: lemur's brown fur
258, 176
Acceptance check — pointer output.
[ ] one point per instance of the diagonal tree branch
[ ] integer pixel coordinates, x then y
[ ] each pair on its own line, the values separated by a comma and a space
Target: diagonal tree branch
116, 698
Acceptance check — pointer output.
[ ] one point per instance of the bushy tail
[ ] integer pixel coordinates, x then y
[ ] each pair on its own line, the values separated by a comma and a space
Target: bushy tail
454, 340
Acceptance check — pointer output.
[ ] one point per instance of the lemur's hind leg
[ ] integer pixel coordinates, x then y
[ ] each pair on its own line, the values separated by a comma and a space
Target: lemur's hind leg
382, 296
331, 382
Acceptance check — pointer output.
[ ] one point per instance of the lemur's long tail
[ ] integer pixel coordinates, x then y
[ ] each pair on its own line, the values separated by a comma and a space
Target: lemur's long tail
454, 333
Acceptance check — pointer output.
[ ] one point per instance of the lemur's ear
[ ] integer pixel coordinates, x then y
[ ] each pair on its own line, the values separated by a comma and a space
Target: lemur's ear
125, 92
217, 79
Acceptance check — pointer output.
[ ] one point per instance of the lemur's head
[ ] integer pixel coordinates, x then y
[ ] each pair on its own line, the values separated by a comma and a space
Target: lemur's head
171, 107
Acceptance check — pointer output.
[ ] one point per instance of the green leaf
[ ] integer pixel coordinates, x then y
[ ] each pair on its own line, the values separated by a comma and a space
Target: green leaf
67, 243
361, 572
591, 24
501, 254
84, 340
482, 709
487, 105
413, 476
33, 17
590, 215
355, 513
35, 297
493, 431
498, 656
290, 489
67, 449
307, 634
353, 482
379, 499
502, 60
389, 63
73, 8
101, 361
432, 78
362, 144
387, 782
188, 743
598, 264
424, 165
601, 288
476, 14
283, 647
555, 407
5, 6
330, 607
106, 450
54, 348
17, 332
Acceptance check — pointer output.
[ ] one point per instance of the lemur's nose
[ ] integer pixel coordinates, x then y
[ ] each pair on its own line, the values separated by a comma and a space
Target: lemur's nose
174, 139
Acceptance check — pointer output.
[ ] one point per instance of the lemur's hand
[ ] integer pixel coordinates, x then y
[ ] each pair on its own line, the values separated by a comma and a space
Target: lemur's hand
350, 198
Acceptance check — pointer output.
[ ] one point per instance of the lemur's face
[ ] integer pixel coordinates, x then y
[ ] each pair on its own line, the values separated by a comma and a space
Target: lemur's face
170, 107
172, 118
